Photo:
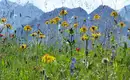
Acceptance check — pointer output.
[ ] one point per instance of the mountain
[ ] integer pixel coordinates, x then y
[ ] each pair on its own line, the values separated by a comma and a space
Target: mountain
106, 20
125, 13
18, 15
71, 12
106, 23
52, 30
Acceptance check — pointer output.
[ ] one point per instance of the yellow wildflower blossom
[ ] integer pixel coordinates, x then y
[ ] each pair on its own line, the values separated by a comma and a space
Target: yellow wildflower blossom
47, 22
34, 34
84, 37
23, 46
64, 24
83, 29
63, 12
114, 14
93, 28
122, 24
27, 28
76, 25
47, 58
9, 26
3, 20
96, 35
42, 36
96, 17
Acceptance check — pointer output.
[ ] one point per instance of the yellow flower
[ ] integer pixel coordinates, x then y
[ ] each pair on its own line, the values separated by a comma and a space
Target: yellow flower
23, 46
85, 37
114, 14
64, 24
76, 25
42, 36
47, 58
47, 22
27, 28
122, 24
39, 32
57, 19
3, 20
96, 17
83, 29
53, 21
96, 35
34, 34
93, 28
63, 12
9, 26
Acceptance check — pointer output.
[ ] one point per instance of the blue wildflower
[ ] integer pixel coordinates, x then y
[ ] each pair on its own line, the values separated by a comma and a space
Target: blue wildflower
72, 66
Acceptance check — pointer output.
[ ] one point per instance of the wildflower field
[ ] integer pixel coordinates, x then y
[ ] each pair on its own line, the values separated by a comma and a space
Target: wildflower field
35, 59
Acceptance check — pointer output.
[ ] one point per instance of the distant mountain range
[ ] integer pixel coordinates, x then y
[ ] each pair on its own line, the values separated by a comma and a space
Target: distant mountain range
105, 23
19, 16
125, 13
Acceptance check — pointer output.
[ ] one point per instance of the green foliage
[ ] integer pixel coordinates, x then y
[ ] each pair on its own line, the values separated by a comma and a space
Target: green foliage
17, 64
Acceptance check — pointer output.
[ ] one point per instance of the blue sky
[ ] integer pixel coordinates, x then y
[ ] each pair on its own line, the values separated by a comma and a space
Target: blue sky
88, 5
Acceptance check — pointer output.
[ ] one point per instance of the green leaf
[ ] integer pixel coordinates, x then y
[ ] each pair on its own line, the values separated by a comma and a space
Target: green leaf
3, 63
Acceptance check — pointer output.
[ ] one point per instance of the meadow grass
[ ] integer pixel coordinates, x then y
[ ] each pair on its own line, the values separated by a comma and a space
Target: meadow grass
17, 64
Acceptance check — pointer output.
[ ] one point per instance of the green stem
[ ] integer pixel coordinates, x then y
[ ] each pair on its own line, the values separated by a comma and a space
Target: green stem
7, 35
86, 48
106, 72
71, 46
27, 37
37, 53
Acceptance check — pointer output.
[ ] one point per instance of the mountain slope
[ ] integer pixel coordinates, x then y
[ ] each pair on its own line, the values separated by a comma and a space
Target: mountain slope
18, 15
52, 30
125, 13
106, 23
106, 18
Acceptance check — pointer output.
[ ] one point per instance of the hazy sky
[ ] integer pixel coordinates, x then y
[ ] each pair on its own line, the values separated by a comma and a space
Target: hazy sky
88, 5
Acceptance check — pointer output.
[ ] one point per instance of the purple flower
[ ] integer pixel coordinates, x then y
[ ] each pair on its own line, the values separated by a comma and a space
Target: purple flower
72, 66
73, 60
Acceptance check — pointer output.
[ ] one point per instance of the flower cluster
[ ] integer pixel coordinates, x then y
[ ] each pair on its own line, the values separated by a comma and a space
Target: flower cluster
96, 35
48, 58
38, 34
